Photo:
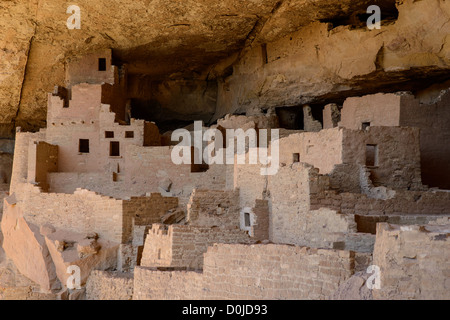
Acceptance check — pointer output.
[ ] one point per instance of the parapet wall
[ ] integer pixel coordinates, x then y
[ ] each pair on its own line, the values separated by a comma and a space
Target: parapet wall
236, 271
413, 262
184, 246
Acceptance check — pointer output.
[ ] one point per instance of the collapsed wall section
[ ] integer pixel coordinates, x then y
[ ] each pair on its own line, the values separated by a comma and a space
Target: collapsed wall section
214, 208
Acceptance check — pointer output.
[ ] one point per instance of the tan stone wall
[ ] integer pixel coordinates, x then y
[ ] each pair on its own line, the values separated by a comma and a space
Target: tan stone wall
82, 212
413, 262
291, 218
107, 285
138, 176
67, 125
250, 183
85, 69
403, 203
214, 208
234, 271
274, 272
402, 109
167, 285
311, 146
158, 246
184, 246
379, 109
398, 155
86, 211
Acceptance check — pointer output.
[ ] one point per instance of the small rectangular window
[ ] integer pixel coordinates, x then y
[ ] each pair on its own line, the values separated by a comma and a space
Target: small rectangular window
365, 125
371, 155
296, 157
129, 134
114, 149
101, 64
109, 134
247, 219
83, 146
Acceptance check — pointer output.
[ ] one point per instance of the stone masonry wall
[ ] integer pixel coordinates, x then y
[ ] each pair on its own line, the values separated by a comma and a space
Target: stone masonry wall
413, 262
234, 271
310, 147
403, 203
151, 284
214, 208
378, 109
433, 119
397, 155
84, 211
184, 246
142, 211
107, 285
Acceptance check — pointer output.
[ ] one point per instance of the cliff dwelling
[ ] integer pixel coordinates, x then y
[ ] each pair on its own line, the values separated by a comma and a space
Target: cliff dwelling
236, 150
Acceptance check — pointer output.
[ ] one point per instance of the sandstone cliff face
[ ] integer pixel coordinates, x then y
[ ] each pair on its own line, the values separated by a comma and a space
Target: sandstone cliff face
321, 64
199, 41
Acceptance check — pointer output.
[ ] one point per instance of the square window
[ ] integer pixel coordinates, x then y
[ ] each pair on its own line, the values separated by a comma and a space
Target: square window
129, 134
296, 157
83, 146
101, 64
365, 125
114, 149
109, 134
